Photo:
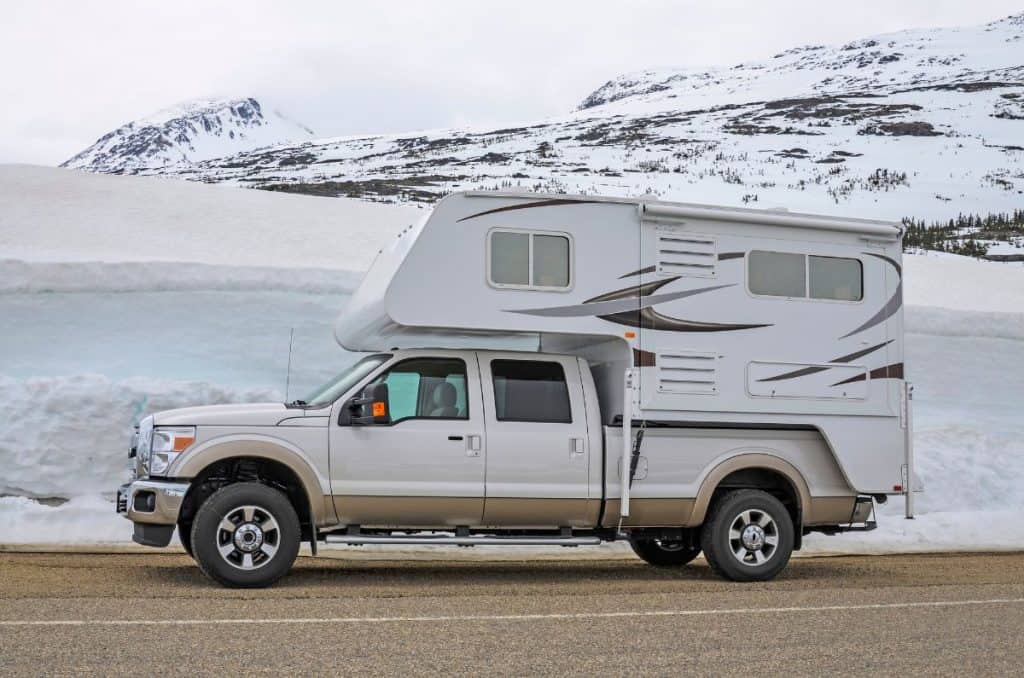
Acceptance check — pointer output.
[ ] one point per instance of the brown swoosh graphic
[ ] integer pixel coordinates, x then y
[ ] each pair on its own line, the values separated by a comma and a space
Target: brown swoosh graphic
635, 291
894, 371
646, 269
529, 205
804, 371
649, 319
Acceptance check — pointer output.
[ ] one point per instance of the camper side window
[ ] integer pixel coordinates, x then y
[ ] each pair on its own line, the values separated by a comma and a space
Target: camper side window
802, 276
529, 260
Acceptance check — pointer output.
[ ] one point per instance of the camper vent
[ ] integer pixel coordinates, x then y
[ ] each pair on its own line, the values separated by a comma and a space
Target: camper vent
686, 254
687, 373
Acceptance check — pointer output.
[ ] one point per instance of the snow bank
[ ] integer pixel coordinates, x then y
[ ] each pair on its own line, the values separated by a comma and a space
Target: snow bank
962, 283
83, 520
28, 277
51, 214
69, 436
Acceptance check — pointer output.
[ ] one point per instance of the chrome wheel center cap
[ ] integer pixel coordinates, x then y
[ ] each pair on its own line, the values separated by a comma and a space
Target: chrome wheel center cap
248, 537
752, 537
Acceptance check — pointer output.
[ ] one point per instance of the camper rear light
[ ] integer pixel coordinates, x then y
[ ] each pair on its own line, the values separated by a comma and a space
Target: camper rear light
897, 488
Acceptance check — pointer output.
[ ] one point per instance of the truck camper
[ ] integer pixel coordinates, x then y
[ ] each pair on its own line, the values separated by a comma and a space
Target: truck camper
569, 370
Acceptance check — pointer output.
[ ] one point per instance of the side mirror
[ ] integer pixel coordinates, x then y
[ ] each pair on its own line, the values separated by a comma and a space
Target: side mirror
370, 406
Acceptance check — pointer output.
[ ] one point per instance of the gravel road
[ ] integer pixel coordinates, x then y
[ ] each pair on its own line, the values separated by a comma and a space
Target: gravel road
388, 614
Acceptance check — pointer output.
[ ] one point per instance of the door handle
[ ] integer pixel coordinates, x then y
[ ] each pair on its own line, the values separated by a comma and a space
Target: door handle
577, 446
454, 437
473, 446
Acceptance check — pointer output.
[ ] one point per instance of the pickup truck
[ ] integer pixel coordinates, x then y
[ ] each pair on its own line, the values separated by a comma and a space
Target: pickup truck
473, 447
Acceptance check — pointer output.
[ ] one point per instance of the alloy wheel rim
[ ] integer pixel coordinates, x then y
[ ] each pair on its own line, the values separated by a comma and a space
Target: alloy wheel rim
248, 537
753, 537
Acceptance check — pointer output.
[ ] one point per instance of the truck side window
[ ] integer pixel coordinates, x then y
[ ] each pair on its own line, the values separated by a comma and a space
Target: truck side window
530, 390
426, 388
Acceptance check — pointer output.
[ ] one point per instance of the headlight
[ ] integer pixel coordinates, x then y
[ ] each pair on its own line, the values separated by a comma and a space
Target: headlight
168, 443
144, 442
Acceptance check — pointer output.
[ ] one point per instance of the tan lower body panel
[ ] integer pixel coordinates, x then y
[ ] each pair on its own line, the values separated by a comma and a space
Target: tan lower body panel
526, 513
829, 511
419, 512
442, 512
650, 512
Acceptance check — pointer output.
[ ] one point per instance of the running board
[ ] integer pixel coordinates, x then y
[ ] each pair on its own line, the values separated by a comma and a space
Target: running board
471, 540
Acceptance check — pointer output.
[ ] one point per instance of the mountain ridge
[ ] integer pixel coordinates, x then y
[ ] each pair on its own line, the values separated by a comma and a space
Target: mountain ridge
925, 124
186, 133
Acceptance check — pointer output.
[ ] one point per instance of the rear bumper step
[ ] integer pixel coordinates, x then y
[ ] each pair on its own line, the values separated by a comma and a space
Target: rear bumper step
471, 540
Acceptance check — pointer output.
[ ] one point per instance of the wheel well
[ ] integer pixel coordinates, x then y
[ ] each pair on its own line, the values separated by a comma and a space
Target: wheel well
767, 480
248, 469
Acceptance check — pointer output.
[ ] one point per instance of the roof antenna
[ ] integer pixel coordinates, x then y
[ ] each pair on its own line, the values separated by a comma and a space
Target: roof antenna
288, 375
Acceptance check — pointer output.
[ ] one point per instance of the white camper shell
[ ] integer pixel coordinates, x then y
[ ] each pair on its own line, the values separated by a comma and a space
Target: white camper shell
728, 319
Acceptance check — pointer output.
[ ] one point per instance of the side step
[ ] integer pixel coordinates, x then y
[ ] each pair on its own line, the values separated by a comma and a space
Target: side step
470, 540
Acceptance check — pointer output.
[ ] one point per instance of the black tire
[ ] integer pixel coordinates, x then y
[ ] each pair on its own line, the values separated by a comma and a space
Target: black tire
663, 553
185, 535
262, 543
737, 556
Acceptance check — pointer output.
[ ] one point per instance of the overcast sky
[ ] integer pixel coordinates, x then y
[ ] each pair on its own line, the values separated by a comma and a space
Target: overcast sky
72, 71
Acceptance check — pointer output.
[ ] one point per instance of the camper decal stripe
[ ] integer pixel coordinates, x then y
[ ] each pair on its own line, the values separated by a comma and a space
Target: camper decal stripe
804, 371
527, 205
613, 306
649, 319
887, 311
891, 306
895, 264
634, 291
894, 371
648, 269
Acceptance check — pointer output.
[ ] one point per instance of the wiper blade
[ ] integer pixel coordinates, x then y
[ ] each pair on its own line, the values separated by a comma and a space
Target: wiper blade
296, 403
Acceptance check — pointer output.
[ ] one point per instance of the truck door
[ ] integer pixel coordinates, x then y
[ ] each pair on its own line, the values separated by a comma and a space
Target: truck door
425, 468
538, 455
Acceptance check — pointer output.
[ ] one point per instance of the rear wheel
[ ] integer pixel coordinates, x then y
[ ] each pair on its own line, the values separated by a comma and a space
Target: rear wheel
664, 552
246, 535
748, 536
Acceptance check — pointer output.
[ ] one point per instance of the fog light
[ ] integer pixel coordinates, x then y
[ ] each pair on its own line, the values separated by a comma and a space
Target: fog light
145, 502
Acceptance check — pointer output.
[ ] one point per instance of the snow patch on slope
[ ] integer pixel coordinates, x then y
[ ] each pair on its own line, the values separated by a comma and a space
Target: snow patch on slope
189, 132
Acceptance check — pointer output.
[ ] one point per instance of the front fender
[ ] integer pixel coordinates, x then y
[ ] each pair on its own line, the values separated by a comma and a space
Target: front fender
257, 446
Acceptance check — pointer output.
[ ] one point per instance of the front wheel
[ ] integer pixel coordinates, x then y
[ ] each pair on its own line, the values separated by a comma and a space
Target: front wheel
246, 536
664, 552
748, 536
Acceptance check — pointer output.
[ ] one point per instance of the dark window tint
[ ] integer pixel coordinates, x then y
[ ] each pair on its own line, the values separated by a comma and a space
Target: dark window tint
527, 390
426, 388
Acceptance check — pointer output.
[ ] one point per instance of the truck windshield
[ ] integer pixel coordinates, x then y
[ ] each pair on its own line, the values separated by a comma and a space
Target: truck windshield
333, 389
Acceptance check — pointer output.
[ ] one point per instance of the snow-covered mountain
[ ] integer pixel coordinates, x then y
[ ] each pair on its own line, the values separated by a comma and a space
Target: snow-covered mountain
187, 133
919, 123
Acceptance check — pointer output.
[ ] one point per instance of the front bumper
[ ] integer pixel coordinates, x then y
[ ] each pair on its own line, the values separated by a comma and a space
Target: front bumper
151, 502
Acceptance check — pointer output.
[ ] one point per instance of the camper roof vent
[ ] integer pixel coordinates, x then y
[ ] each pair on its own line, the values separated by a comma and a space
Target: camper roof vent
686, 254
687, 373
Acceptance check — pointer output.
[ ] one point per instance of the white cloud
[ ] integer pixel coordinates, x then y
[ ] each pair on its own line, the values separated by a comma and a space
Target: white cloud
73, 70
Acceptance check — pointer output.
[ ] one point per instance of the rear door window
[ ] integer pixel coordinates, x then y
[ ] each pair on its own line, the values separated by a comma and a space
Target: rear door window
530, 390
